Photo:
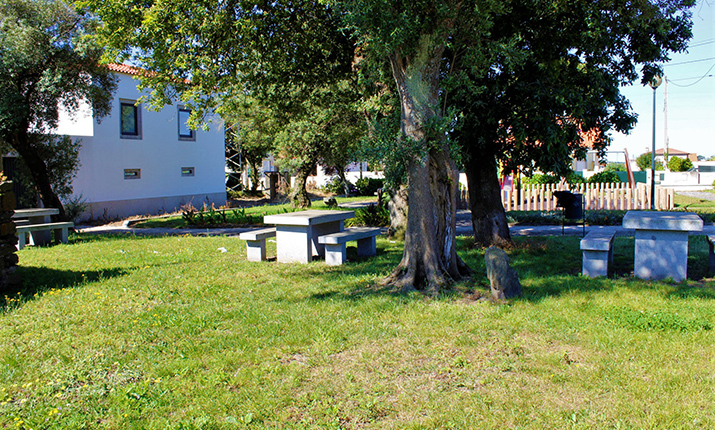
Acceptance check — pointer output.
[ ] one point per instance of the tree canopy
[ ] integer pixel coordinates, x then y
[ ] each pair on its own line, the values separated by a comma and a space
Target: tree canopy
551, 91
289, 57
47, 62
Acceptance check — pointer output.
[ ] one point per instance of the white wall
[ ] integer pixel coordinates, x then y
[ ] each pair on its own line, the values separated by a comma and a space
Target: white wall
159, 154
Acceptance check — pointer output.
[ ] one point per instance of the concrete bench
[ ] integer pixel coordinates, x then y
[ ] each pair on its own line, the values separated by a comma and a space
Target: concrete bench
60, 229
597, 249
256, 243
711, 244
335, 243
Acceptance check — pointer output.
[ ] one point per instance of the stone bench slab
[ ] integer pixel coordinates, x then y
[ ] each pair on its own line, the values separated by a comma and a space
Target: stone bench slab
348, 235
335, 243
61, 229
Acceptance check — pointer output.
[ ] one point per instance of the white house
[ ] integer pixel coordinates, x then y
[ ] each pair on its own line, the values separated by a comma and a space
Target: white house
139, 161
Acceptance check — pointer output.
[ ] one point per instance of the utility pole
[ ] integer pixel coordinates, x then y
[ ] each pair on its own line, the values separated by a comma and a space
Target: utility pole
666, 140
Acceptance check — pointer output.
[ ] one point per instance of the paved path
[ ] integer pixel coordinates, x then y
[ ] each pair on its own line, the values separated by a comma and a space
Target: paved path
464, 228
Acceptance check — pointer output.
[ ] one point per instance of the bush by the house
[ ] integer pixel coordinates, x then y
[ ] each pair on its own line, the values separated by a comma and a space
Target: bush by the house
538, 178
644, 162
677, 164
335, 186
370, 216
604, 177
368, 186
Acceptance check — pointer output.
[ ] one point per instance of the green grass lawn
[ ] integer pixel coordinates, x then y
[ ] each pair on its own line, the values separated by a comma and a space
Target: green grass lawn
695, 204
173, 333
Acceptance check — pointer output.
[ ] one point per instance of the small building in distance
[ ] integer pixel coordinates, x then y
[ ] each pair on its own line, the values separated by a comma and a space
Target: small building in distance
138, 161
672, 152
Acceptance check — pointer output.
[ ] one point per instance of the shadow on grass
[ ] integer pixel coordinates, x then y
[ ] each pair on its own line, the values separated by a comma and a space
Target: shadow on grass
35, 281
547, 266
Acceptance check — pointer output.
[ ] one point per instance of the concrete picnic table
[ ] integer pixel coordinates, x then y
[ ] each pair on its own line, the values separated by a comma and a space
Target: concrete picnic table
297, 232
661, 242
37, 216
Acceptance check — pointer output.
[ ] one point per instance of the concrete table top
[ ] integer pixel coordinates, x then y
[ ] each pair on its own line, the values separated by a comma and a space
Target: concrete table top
650, 220
35, 212
309, 217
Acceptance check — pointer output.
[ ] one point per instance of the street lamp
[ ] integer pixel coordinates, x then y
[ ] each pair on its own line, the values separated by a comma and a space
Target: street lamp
654, 83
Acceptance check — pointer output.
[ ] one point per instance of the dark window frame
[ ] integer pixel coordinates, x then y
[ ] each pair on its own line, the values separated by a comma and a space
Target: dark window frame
192, 133
137, 132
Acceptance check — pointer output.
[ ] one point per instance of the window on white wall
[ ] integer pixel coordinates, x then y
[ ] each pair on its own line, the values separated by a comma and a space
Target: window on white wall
130, 120
185, 133
132, 173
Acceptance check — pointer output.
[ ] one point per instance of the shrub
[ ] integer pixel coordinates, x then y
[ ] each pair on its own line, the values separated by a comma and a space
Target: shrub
615, 167
571, 178
677, 164
604, 177
335, 186
75, 206
540, 179
644, 162
370, 216
368, 186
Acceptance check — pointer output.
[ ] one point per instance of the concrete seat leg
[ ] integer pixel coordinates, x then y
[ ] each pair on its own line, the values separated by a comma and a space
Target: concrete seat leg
21, 240
367, 246
61, 235
335, 254
256, 250
595, 263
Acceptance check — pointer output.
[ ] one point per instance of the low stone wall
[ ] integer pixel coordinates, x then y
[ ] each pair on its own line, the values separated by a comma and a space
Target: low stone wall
8, 237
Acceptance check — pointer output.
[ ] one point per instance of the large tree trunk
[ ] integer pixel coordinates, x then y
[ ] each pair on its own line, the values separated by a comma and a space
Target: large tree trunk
488, 215
341, 174
253, 175
299, 198
429, 260
398, 213
22, 143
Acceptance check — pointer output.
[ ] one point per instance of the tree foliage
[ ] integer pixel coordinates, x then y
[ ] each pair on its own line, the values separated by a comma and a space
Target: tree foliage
551, 91
47, 62
289, 57
645, 162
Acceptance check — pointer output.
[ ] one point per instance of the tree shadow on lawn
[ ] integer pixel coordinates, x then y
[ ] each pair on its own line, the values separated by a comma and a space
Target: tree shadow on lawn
547, 266
35, 281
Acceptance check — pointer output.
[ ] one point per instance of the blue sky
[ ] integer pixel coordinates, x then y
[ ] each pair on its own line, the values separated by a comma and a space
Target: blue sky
691, 100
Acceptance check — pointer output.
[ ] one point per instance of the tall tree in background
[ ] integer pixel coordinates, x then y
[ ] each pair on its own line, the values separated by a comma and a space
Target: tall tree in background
251, 134
554, 78
46, 62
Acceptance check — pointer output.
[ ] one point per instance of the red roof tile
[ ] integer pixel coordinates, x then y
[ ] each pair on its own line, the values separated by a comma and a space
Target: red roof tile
124, 68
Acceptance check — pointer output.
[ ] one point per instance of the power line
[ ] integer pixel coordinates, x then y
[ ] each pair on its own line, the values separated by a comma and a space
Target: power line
701, 43
688, 62
706, 75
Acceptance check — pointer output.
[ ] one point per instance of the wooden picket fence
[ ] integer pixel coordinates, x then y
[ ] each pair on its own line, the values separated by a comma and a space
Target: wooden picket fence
601, 196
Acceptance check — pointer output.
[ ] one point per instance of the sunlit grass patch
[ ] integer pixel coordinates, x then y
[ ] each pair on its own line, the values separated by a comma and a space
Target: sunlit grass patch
171, 332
